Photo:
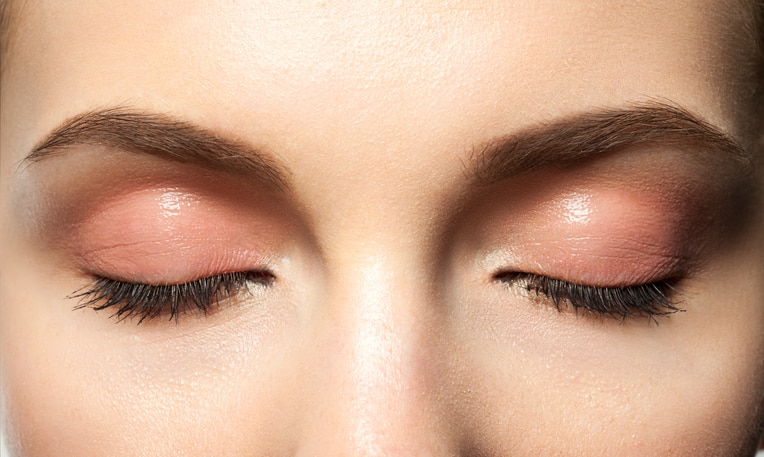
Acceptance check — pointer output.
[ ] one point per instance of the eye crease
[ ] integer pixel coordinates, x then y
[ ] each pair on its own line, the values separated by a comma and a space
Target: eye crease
650, 300
147, 301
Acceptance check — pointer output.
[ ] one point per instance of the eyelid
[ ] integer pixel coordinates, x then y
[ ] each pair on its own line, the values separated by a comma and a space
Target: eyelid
100, 200
166, 235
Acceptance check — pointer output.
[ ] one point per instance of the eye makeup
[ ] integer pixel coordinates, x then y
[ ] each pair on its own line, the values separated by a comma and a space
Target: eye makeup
607, 237
649, 300
147, 301
170, 251
603, 253
166, 241
137, 236
603, 238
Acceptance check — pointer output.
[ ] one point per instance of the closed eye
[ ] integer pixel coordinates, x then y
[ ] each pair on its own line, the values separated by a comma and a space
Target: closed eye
649, 300
148, 301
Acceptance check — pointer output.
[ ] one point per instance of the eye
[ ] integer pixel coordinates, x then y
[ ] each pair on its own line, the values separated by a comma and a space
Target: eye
649, 300
148, 301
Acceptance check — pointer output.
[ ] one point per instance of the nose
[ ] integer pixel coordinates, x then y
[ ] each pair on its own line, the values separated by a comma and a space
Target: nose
376, 371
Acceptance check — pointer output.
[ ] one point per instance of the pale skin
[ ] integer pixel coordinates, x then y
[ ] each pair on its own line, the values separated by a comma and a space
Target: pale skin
385, 331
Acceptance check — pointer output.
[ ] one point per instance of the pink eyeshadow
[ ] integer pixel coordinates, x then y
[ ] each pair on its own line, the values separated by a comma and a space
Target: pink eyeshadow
605, 236
615, 236
173, 235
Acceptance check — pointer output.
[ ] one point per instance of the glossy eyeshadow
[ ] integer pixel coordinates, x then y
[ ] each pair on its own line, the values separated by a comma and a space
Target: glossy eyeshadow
598, 230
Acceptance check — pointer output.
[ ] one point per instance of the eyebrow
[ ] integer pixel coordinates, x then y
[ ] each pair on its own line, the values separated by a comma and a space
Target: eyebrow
587, 135
566, 140
162, 136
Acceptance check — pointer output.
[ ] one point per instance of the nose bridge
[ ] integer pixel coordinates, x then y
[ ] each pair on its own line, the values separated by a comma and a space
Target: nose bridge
376, 388
377, 371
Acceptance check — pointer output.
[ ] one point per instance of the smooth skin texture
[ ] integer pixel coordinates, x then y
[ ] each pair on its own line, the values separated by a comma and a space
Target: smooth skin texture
385, 331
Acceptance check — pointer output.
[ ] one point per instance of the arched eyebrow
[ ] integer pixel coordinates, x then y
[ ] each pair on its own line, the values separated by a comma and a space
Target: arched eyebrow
162, 136
590, 134
566, 140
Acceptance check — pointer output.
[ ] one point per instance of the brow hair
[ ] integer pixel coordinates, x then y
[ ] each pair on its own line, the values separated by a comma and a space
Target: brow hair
574, 138
162, 136
593, 133
748, 57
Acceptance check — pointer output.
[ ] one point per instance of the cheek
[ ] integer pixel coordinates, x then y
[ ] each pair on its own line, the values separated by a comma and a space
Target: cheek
549, 383
557, 390
75, 381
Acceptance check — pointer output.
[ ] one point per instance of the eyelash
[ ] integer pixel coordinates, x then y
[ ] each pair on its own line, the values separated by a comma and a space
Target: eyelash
651, 300
146, 301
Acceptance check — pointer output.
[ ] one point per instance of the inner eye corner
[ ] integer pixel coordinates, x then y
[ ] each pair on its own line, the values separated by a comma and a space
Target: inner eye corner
506, 276
263, 277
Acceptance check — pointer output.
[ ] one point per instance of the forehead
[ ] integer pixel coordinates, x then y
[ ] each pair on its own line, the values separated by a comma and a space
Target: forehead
347, 75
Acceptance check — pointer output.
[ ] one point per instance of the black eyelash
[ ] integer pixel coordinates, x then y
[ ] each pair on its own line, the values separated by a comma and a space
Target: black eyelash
148, 301
645, 300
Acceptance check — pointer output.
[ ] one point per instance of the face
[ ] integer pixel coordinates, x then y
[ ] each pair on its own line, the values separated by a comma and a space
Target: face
495, 228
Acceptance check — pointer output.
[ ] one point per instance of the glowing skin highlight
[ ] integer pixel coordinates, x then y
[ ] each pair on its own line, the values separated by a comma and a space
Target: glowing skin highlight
577, 209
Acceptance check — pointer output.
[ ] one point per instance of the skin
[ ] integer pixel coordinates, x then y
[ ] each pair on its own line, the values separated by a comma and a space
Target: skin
384, 333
